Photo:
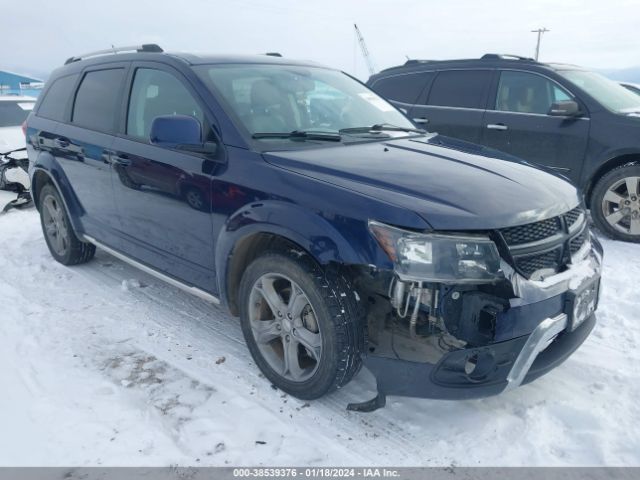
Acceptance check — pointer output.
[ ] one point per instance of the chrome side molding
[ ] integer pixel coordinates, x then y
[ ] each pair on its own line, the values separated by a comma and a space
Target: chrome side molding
161, 276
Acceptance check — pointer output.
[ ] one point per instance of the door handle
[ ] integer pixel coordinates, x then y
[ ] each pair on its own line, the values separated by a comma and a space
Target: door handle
497, 126
61, 142
421, 120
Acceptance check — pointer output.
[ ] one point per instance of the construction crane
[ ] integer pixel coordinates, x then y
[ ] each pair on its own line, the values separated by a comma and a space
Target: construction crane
365, 51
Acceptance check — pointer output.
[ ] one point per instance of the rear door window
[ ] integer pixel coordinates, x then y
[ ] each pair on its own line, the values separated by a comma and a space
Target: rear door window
54, 104
461, 89
405, 88
524, 92
97, 100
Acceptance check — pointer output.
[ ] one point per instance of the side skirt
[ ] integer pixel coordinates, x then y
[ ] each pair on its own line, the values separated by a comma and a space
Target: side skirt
165, 278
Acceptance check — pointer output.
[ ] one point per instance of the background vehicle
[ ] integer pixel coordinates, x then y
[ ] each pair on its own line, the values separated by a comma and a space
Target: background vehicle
571, 120
13, 112
338, 232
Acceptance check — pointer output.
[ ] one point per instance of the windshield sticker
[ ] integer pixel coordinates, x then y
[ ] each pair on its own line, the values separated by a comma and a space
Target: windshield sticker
26, 105
376, 101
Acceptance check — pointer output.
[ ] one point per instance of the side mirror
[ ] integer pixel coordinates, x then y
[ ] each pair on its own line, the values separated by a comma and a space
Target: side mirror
175, 131
181, 132
565, 108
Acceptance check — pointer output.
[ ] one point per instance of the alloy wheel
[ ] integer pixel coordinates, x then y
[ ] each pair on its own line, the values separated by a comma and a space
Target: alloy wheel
285, 327
55, 225
621, 205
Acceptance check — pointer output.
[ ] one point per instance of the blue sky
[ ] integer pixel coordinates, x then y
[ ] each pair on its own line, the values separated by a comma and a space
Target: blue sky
596, 34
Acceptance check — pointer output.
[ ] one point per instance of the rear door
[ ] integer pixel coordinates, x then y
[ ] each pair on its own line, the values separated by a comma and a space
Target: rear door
405, 89
82, 146
517, 122
455, 104
164, 196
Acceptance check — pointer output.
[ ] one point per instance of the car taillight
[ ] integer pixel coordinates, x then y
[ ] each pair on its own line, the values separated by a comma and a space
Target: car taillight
24, 128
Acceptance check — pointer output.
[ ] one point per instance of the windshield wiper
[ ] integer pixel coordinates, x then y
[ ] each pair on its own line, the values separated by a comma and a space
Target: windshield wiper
301, 135
380, 127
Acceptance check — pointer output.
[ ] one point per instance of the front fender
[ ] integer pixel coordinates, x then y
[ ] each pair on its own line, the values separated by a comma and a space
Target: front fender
327, 239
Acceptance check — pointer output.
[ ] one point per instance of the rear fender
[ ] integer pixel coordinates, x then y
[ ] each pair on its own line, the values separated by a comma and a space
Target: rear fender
47, 169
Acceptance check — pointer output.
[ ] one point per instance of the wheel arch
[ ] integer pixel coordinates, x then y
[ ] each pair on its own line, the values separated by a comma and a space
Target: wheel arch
627, 158
267, 227
44, 174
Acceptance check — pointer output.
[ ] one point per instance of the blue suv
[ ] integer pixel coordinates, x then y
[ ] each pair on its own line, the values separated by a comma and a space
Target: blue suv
315, 211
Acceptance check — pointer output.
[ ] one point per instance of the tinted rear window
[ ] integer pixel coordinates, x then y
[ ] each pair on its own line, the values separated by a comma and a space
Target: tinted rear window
97, 99
13, 114
56, 99
461, 88
403, 88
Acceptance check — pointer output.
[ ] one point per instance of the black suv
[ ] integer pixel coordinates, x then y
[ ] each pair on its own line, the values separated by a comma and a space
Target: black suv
564, 117
312, 208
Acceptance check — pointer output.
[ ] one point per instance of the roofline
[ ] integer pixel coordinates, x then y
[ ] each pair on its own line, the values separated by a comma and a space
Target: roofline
415, 65
132, 53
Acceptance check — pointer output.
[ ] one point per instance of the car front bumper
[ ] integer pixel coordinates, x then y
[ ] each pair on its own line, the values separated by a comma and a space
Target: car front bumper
517, 361
533, 336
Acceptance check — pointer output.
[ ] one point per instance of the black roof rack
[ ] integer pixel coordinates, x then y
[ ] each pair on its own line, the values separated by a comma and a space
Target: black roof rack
505, 56
273, 54
147, 47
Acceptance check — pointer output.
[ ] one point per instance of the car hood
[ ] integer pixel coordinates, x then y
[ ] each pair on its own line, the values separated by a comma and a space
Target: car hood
451, 184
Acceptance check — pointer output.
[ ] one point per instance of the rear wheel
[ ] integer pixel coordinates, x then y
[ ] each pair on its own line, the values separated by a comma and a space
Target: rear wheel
615, 203
62, 241
303, 325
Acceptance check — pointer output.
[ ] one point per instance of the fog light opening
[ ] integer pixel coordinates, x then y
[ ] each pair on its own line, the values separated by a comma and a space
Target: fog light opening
471, 364
479, 365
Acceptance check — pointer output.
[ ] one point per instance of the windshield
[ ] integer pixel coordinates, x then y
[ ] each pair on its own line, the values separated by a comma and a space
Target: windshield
283, 98
610, 94
13, 113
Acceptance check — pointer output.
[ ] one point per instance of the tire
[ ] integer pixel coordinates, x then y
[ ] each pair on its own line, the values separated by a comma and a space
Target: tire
62, 241
333, 305
615, 203
195, 198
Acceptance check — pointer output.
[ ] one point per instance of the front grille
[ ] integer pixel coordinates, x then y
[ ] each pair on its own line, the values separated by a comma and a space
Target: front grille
539, 261
572, 216
576, 242
546, 245
531, 232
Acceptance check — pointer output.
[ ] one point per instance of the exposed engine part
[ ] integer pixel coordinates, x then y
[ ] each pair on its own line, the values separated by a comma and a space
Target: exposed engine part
404, 294
472, 315
416, 309
465, 312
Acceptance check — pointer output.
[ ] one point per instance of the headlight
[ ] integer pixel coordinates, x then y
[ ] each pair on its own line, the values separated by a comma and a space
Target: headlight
439, 258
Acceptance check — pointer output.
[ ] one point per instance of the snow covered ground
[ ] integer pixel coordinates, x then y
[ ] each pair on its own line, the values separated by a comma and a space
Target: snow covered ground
103, 365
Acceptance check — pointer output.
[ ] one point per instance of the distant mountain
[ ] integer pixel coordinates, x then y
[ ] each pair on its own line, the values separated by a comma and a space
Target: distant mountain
625, 75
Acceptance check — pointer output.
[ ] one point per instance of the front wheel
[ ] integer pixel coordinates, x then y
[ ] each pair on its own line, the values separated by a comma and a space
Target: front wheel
303, 324
615, 203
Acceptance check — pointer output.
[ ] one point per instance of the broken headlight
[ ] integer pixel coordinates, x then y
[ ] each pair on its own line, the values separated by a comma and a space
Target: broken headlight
439, 258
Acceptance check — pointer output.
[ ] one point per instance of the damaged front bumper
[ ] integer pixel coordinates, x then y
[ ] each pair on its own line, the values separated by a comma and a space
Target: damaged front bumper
538, 328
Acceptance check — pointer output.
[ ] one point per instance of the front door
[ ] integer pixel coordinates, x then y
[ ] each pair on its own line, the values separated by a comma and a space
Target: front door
164, 196
518, 123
